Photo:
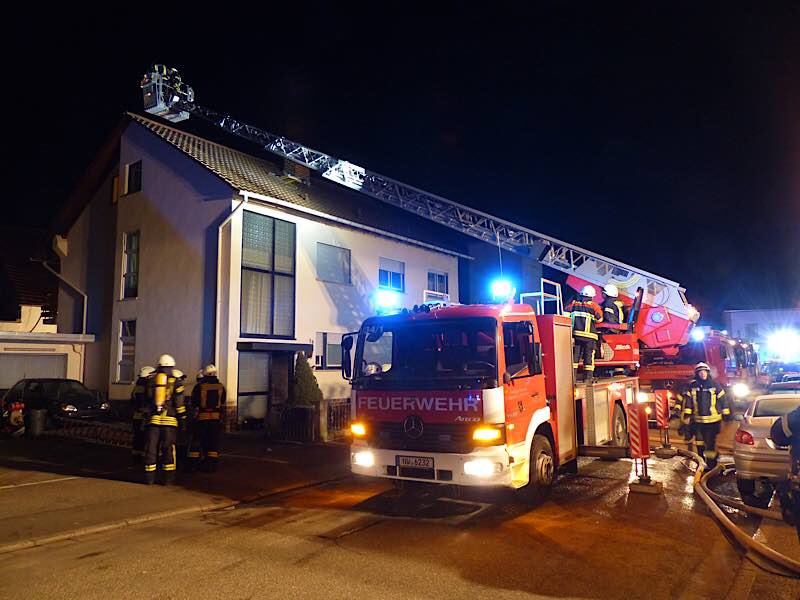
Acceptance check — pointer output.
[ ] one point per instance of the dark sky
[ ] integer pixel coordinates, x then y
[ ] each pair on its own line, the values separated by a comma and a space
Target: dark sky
666, 135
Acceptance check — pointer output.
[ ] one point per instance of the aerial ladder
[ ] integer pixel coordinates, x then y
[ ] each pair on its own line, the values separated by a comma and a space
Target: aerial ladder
663, 316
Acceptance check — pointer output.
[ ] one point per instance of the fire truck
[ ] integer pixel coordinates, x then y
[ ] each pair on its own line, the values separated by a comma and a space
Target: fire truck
476, 395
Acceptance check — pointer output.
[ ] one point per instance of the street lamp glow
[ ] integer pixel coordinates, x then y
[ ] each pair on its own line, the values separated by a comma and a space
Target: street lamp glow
785, 344
502, 290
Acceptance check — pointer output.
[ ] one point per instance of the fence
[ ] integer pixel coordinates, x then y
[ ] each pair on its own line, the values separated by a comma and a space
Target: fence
111, 434
338, 418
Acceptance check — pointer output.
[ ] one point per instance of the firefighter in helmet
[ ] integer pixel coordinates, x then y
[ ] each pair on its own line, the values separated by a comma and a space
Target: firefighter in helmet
208, 412
165, 409
705, 404
138, 407
614, 311
585, 314
785, 431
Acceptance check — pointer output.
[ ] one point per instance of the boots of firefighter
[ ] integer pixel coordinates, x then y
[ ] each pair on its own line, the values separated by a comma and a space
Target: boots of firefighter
212, 461
150, 474
192, 460
169, 477
711, 459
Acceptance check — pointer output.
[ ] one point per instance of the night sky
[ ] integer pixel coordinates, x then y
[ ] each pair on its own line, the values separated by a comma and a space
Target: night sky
666, 135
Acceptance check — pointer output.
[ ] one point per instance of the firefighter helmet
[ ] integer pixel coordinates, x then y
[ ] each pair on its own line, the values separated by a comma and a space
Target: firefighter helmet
165, 360
611, 290
199, 375
210, 370
588, 291
146, 371
178, 374
701, 366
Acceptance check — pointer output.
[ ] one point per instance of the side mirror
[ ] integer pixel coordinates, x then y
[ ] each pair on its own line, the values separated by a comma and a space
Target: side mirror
506, 377
536, 359
347, 362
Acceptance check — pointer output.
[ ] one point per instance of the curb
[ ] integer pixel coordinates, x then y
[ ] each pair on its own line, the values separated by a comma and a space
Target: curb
89, 530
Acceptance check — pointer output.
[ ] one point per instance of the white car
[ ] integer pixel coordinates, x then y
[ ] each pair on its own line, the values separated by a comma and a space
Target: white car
759, 462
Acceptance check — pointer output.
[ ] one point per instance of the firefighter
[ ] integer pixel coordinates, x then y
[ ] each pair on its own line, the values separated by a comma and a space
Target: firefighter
705, 405
785, 431
164, 410
208, 408
138, 405
585, 314
614, 311
184, 426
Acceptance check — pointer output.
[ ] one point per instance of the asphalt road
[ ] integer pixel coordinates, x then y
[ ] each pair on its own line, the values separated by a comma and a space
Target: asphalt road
362, 539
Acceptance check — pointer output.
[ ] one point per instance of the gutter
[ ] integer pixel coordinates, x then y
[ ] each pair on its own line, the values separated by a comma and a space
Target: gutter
74, 287
219, 276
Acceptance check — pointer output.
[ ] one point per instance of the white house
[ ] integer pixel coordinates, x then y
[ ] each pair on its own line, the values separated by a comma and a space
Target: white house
196, 249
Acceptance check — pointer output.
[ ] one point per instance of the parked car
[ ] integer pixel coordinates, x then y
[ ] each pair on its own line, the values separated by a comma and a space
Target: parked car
759, 463
60, 397
784, 387
791, 377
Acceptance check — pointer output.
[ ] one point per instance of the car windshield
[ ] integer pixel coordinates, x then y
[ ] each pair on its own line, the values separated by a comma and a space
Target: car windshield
58, 390
775, 407
421, 354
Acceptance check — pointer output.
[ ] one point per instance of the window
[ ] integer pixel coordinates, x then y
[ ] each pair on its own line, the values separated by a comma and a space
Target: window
254, 385
134, 178
127, 351
130, 275
328, 351
751, 331
268, 269
392, 275
114, 189
437, 282
518, 348
333, 263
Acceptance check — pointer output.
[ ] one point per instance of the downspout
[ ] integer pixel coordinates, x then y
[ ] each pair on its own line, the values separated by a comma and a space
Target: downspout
245, 198
74, 287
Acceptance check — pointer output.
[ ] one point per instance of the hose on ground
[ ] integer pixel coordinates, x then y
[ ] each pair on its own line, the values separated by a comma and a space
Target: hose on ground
734, 503
762, 550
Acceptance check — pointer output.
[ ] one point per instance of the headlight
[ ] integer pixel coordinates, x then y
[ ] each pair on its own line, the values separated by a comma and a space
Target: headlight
105, 406
642, 397
481, 467
488, 433
364, 459
69, 408
740, 390
358, 429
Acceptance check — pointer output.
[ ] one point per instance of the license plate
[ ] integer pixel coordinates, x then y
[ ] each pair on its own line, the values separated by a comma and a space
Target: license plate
418, 462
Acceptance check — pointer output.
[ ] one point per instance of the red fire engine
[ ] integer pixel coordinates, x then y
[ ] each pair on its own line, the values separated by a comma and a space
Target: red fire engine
475, 395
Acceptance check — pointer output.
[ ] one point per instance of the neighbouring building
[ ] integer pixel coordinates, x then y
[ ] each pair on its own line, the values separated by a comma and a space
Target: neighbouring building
30, 345
771, 329
190, 247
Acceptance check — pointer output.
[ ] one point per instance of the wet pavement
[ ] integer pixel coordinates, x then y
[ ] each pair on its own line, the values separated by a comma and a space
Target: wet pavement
591, 538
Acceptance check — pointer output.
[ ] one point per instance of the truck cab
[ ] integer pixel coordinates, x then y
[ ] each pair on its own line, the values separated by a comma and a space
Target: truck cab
463, 395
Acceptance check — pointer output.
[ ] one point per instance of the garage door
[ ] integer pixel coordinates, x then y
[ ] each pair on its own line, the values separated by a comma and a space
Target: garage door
14, 367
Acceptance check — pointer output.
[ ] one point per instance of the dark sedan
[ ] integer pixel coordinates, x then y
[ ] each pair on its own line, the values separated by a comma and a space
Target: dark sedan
60, 397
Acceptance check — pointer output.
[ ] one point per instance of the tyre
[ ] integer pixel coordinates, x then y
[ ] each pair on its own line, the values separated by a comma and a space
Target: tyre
542, 470
747, 490
619, 427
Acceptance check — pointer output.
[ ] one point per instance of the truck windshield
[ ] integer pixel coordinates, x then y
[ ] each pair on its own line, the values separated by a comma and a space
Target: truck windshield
428, 354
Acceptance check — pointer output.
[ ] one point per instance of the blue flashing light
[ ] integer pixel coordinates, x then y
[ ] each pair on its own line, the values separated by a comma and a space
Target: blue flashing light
502, 290
698, 335
387, 301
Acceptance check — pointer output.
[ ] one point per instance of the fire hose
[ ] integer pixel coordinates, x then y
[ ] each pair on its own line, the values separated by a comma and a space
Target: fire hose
710, 498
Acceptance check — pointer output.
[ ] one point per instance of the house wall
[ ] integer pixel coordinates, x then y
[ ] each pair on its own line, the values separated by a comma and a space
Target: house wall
30, 321
332, 307
177, 214
758, 325
87, 260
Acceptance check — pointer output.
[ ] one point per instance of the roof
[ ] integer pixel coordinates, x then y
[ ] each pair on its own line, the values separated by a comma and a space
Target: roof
260, 175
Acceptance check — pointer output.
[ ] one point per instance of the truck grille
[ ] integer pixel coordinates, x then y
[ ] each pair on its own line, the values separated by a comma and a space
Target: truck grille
455, 439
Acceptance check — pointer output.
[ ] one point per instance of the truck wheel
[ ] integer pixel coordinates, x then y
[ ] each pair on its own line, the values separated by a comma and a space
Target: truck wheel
619, 427
542, 470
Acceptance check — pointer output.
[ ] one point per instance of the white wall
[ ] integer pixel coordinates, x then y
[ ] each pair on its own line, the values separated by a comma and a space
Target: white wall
176, 214
331, 307
29, 321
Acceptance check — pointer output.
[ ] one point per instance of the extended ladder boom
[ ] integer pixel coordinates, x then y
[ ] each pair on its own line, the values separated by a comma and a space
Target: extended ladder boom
163, 99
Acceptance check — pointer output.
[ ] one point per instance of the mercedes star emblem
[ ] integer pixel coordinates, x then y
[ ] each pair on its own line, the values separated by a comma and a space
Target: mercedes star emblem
413, 427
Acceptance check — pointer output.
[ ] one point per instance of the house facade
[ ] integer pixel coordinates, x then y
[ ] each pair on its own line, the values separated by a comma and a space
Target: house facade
192, 248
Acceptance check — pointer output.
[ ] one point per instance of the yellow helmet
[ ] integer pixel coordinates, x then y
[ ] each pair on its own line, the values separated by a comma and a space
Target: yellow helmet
165, 360
210, 370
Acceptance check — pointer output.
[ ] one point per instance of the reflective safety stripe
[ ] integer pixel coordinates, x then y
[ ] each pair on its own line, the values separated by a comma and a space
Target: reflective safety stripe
164, 420
585, 334
193, 455
213, 454
708, 418
726, 411
180, 409
711, 454
208, 416
575, 365
149, 468
700, 443
169, 467
687, 411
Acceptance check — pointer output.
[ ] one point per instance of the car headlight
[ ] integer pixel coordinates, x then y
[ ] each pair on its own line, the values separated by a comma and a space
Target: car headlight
740, 390
69, 408
364, 459
642, 397
105, 406
482, 467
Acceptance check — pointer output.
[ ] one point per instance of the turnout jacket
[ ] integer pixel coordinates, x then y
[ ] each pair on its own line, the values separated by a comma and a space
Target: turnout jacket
613, 311
139, 397
785, 431
585, 314
705, 401
164, 399
208, 400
